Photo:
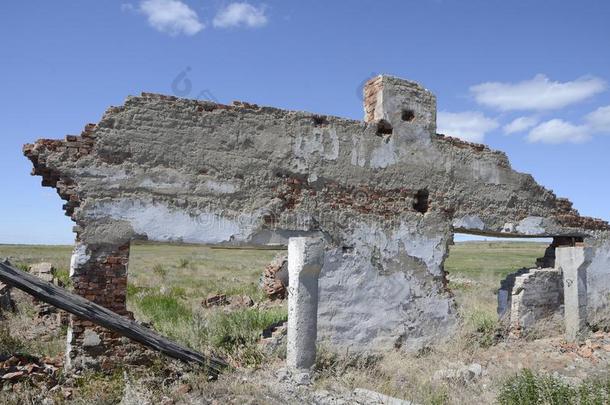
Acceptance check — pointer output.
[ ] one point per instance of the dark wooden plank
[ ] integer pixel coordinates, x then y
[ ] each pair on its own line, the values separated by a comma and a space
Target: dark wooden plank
85, 309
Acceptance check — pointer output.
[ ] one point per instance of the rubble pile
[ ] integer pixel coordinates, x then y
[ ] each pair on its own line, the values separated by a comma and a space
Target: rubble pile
42, 372
275, 277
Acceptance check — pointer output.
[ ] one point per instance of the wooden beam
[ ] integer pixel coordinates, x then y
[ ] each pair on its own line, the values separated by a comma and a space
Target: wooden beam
90, 311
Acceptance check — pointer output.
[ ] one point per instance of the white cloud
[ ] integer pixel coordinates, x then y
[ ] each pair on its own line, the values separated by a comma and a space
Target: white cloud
558, 131
172, 17
599, 120
468, 125
519, 124
538, 93
240, 15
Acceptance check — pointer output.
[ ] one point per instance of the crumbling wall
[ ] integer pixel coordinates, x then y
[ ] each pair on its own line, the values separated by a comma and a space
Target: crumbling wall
597, 257
386, 193
530, 296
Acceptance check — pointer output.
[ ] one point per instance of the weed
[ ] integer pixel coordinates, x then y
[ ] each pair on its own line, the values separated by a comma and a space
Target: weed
243, 327
63, 278
438, 396
485, 326
23, 267
331, 363
178, 292
183, 263
162, 308
160, 271
8, 343
528, 388
133, 291
105, 389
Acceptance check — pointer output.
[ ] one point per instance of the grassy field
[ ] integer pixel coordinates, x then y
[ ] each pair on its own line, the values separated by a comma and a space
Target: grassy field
198, 270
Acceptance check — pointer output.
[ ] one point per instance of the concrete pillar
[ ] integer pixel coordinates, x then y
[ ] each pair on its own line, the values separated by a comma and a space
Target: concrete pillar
571, 260
305, 259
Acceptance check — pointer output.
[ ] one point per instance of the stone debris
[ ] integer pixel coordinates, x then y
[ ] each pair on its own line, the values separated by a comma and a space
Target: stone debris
296, 386
274, 338
303, 378
295, 377
595, 348
44, 271
215, 300
459, 373
18, 367
275, 277
363, 396
91, 339
240, 301
234, 301
47, 272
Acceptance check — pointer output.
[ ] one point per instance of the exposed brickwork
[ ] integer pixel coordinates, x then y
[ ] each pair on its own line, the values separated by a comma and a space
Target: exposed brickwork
104, 282
458, 143
363, 199
371, 90
567, 216
73, 147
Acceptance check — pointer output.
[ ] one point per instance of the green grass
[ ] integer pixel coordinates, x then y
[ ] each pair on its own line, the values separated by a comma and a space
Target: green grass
529, 388
161, 308
243, 327
484, 326
498, 259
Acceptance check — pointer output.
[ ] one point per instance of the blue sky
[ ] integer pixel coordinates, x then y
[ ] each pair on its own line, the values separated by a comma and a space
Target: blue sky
529, 77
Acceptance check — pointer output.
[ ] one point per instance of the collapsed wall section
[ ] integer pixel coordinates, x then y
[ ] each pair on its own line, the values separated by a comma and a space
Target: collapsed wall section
529, 297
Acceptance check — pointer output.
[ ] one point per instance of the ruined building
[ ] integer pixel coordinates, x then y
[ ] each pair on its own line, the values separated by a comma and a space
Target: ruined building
386, 193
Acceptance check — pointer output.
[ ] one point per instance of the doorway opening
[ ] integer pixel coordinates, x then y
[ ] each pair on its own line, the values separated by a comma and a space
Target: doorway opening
486, 276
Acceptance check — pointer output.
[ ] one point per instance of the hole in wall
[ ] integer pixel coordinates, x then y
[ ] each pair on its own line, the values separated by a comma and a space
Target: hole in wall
348, 250
408, 115
319, 120
421, 203
384, 128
